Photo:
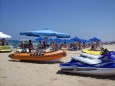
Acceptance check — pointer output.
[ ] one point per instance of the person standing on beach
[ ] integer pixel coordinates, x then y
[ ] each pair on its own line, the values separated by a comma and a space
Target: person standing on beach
30, 46
3, 42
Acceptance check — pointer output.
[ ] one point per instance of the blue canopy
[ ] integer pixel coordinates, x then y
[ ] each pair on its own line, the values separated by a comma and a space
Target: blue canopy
76, 39
85, 41
95, 39
58, 40
68, 40
45, 32
39, 39
55, 40
50, 40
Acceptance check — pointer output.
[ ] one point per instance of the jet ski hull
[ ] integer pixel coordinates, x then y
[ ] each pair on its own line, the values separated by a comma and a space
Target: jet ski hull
90, 71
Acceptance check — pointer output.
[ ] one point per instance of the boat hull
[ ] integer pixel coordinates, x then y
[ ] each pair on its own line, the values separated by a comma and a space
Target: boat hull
48, 56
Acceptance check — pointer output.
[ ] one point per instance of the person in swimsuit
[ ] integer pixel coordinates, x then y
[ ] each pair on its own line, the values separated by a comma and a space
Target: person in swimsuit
30, 46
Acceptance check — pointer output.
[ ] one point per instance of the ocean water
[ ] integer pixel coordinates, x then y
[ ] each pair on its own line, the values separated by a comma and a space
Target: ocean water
15, 43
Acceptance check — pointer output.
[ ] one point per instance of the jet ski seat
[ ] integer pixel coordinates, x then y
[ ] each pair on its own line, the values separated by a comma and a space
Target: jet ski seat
87, 60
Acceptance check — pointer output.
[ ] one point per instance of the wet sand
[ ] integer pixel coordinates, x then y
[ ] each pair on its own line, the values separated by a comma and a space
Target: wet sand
16, 73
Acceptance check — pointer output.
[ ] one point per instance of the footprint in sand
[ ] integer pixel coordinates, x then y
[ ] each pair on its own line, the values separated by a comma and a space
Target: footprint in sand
4, 77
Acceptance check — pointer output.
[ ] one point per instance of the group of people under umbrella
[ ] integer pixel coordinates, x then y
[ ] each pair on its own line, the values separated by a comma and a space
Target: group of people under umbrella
45, 41
3, 38
44, 34
59, 42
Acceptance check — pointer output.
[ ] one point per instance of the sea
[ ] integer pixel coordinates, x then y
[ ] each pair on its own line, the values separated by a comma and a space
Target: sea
15, 43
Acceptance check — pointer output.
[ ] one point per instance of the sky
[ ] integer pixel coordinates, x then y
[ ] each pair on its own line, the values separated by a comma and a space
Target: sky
78, 18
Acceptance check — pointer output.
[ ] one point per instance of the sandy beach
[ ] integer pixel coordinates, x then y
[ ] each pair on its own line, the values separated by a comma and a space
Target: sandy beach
16, 73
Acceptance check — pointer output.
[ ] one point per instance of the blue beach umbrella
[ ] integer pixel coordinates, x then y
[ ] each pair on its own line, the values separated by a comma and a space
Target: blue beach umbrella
64, 40
44, 33
95, 39
58, 40
55, 40
86, 41
83, 40
76, 39
50, 40
39, 39
68, 40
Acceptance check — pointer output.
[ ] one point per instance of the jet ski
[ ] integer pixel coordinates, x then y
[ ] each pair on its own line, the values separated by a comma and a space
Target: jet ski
104, 66
103, 52
94, 52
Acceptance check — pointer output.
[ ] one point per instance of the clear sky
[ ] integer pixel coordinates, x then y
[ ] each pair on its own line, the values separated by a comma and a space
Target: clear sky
82, 18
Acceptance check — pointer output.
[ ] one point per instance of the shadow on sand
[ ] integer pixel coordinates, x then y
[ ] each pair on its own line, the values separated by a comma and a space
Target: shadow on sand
37, 62
83, 75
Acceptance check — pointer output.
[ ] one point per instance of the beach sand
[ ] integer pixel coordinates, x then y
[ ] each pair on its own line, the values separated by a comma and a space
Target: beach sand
16, 73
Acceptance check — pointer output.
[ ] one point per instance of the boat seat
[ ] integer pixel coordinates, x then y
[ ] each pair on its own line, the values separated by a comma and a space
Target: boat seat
37, 54
22, 50
87, 60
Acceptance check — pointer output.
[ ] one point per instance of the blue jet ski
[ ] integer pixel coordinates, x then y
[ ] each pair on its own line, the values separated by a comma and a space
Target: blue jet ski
104, 65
